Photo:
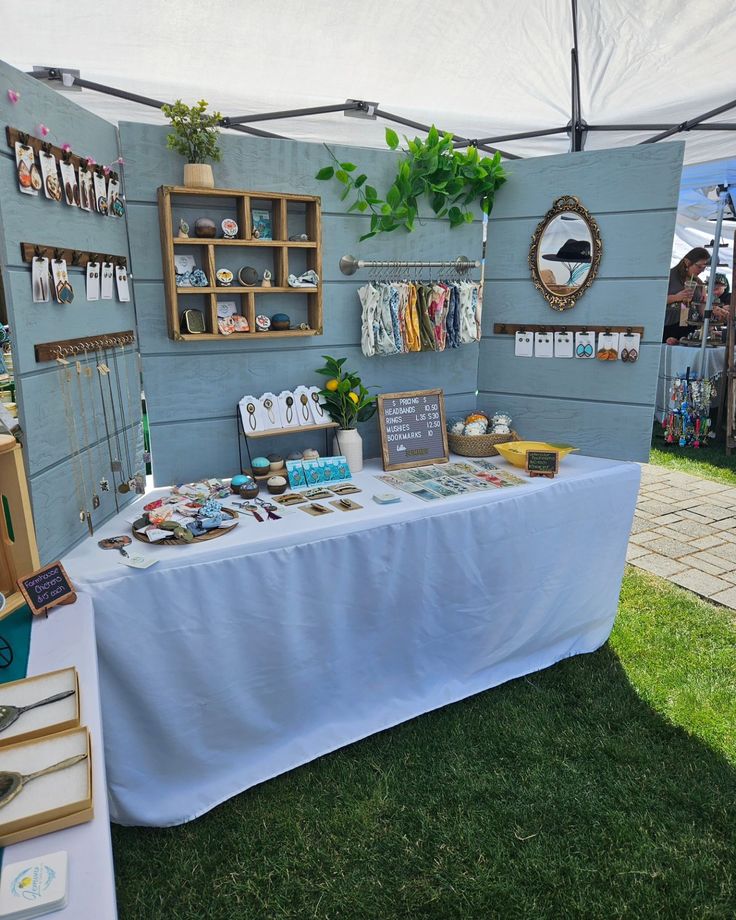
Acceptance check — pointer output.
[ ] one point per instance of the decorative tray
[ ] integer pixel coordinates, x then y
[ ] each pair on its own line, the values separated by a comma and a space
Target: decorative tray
174, 541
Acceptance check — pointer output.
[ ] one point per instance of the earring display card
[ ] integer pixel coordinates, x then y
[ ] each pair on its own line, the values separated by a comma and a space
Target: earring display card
29, 178
251, 414
607, 346
40, 280
86, 190
93, 281
318, 412
564, 347
543, 345
121, 282
524, 345
629, 344
585, 345
100, 199
106, 272
63, 291
70, 184
50, 176
288, 409
115, 205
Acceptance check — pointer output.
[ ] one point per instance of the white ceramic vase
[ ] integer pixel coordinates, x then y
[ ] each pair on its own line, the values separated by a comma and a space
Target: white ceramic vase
198, 175
349, 444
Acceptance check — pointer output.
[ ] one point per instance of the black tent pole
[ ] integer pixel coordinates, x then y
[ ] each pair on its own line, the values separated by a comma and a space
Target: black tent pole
689, 125
294, 113
464, 141
543, 132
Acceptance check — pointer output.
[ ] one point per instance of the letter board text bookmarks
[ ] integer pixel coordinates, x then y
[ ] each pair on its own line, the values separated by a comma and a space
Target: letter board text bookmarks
413, 431
46, 588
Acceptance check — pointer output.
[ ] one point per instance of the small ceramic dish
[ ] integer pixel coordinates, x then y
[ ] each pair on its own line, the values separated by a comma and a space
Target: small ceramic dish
280, 322
249, 490
224, 276
276, 485
276, 463
237, 482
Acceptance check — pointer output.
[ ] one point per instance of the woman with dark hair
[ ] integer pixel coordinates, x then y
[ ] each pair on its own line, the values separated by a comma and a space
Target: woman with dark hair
689, 267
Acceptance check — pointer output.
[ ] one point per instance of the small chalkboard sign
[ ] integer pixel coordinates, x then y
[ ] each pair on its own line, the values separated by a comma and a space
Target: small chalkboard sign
413, 429
542, 463
46, 588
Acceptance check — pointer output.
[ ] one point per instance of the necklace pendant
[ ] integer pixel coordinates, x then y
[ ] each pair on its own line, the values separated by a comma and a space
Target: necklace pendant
123, 488
88, 518
104, 485
95, 501
116, 466
83, 516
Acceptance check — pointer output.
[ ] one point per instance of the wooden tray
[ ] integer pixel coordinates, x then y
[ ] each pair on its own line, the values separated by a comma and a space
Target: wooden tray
173, 541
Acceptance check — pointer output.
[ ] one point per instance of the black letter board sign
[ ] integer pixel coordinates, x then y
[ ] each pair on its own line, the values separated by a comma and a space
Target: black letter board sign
413, 429
47, 587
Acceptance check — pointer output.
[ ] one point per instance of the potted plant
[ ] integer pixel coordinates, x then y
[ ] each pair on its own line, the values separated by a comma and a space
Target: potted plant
194, 136
347, 402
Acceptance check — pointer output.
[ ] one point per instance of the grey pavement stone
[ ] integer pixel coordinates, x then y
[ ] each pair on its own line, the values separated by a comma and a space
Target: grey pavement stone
658, 565
700, 582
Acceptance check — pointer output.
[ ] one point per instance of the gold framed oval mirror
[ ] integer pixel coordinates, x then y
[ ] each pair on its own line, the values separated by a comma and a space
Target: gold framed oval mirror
565, 253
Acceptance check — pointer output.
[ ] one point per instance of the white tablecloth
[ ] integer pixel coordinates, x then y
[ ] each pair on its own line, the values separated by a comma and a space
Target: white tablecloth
232, 661
674, 361
66, 639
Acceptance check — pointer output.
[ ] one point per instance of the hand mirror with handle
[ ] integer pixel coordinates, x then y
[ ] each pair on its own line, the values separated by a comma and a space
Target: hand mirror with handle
9, 714
11, 783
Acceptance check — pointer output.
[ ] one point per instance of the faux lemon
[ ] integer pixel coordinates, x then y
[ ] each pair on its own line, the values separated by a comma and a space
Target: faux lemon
354, 397
331, 385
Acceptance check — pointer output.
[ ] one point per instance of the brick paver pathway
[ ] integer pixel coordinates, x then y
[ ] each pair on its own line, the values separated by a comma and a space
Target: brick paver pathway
685, 531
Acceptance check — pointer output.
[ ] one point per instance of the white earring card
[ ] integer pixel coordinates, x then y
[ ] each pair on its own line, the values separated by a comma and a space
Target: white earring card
70, 184
50, 176
304, 406
608, 345
121, 282
543, 345
585, 345
86, 191
524, 345
251, 415
100, 199
564, 345
106, 272
270, 411
40, 280
29, 176
288, 409
93, 281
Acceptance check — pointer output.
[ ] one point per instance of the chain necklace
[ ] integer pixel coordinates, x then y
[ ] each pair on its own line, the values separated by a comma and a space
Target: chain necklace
123, 423
138, 482
66, 378
100, 463
87, 442
117, 464
100, 374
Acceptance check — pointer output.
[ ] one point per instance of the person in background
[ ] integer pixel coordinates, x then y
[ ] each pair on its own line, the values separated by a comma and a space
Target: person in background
687, 270
721, 294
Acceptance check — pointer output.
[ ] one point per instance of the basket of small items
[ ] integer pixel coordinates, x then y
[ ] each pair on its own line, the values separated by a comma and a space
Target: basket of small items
476, 434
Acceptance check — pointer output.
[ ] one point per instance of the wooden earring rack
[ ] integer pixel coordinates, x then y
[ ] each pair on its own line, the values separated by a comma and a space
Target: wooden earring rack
71, 348
74, 257
513, 328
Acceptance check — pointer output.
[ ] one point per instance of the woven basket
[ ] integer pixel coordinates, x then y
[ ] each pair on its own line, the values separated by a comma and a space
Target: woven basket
479, 445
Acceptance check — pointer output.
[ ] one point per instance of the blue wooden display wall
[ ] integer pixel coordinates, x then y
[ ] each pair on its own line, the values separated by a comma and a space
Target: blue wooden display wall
605, 408
47, 446
192, 389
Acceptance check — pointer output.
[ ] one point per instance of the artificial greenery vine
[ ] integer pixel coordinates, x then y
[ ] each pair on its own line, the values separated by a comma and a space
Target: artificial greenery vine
195, 131
449, 178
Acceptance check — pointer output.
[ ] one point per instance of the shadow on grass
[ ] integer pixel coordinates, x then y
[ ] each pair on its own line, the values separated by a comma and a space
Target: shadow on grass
558, 795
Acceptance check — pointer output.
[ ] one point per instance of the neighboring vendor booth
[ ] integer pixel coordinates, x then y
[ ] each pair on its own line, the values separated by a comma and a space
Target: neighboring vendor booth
387, 473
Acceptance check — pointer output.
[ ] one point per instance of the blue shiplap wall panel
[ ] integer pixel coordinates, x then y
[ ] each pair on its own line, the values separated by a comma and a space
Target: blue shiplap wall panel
604, 408
192, 389
47, 446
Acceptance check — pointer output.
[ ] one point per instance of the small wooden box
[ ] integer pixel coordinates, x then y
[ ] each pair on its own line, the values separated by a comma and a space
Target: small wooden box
58, 803
46, 720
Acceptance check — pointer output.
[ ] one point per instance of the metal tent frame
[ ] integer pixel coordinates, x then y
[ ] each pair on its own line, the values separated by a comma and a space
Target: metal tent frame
577, 128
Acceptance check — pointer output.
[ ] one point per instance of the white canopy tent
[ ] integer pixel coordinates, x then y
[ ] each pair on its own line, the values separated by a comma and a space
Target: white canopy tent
480, 69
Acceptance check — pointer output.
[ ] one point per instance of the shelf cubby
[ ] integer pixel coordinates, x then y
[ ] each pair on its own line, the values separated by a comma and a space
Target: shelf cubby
289, 215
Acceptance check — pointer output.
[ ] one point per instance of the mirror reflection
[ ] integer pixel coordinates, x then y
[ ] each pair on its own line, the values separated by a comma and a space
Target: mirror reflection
564, 255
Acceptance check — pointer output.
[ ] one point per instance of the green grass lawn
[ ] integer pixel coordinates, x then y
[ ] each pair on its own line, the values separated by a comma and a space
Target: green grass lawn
603, 787
709, 462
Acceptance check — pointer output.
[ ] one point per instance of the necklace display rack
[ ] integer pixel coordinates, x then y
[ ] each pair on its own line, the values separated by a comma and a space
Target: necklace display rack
244, 435
121, 426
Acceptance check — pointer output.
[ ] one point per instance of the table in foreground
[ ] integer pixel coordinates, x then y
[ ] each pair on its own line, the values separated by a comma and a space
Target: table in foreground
66, 639
234, 660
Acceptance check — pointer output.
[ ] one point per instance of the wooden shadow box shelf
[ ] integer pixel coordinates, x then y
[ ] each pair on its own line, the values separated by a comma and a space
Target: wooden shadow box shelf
290, 214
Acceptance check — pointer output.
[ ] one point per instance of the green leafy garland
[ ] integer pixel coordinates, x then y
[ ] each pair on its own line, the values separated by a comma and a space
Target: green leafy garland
449, 178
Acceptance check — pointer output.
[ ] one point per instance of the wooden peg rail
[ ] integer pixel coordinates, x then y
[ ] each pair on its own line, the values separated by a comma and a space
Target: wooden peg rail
74, 257
70, 348
513, 328
15, 136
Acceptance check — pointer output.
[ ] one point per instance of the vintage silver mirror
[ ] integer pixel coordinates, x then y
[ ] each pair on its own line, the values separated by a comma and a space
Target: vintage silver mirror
565, 253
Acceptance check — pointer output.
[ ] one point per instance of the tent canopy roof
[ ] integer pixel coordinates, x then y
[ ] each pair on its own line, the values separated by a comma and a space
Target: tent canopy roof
476, 68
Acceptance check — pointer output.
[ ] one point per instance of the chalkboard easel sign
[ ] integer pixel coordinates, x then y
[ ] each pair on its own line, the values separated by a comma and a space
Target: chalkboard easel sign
46, 588
413, 431
542, 463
